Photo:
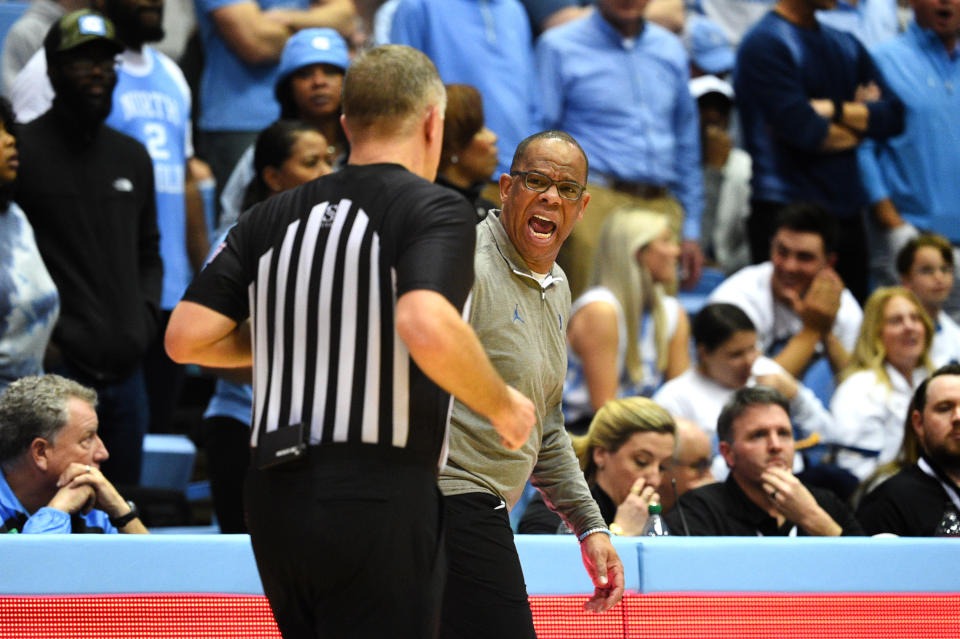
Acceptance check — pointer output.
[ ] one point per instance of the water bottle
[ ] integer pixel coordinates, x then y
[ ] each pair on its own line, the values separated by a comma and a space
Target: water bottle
949, 525
654, 526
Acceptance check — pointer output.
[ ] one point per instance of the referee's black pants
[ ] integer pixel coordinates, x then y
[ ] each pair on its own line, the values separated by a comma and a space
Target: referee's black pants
485, 595
346, 550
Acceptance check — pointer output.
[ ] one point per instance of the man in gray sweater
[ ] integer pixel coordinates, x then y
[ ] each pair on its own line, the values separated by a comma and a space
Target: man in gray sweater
520, 304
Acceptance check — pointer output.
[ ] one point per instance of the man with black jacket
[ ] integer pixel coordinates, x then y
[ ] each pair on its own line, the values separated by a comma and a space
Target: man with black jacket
913, 502
88, 192
761, 496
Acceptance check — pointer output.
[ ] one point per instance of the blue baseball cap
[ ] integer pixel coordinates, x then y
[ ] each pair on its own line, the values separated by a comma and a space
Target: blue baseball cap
312, 46
709, 46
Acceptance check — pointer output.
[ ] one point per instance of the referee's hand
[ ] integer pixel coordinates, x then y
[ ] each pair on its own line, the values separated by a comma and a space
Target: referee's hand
516, 420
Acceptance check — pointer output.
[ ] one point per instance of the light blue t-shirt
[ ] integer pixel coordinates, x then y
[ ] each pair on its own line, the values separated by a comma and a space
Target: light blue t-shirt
484, 43
234, 95
918, 169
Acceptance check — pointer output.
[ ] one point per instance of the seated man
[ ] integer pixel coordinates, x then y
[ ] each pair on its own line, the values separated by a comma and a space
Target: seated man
913, 501
761, 496
50, 455
925, 265
690, 466
796, 301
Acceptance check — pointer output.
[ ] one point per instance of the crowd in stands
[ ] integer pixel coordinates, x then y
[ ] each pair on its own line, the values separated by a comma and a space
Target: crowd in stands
808, 154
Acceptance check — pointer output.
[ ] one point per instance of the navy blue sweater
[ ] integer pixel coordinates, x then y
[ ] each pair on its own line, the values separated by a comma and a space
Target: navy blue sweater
780, 68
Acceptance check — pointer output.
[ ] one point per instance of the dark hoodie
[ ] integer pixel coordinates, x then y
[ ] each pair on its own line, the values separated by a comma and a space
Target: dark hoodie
88, 192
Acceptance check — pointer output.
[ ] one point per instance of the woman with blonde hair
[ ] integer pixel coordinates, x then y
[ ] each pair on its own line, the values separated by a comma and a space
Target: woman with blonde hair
626, 335
891, 358
622, 456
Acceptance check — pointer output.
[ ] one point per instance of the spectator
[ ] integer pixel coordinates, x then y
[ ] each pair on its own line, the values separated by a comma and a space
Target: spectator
890, 360
96, 227
242, 42
622, 456
50, 456
912, 502
796, 301
25, 36
308, 88
618, 83
469, 155
760, 497
926, 268
626, 335
151, 103
519, 306
287, 153
726, 177
29, 303
872, 21
689, 467
486, 45
728, 360
710, 50
802, 125
910, 178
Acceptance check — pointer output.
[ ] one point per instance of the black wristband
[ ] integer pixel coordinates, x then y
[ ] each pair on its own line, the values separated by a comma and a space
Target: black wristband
123, 520
837, 111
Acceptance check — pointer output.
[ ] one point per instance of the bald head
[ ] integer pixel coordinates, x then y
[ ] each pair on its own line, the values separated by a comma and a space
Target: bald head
690, 465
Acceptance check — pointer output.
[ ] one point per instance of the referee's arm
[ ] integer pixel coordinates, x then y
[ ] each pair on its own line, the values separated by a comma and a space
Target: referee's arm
447, 350
197, 334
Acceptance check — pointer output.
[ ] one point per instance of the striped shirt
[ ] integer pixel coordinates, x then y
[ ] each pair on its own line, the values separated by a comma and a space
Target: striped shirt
319, 270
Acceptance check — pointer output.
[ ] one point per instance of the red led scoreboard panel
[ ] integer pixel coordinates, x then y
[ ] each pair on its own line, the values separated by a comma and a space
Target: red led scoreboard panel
686, 615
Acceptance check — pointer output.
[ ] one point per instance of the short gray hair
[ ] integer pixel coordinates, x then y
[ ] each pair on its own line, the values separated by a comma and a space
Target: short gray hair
389, 85
36, 406
743, 399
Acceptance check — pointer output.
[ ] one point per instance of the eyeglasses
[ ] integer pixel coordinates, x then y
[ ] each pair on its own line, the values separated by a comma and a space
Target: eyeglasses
86, 66
539, 183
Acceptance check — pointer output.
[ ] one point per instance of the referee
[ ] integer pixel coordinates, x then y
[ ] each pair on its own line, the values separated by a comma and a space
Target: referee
345, 295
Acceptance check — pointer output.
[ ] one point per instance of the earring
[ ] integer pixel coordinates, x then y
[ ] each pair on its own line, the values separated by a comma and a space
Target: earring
454, 159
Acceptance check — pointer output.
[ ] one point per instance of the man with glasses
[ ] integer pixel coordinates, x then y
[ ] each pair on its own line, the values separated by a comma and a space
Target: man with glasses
520, 304
88, 191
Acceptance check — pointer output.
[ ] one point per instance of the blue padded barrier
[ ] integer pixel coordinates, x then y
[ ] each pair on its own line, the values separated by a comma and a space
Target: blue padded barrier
110, 564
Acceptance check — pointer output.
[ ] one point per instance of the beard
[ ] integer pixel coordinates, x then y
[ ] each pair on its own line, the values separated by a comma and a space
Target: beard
944, 455
89, 110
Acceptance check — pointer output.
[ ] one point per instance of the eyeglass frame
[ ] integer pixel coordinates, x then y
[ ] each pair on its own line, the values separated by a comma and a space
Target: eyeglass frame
552, 182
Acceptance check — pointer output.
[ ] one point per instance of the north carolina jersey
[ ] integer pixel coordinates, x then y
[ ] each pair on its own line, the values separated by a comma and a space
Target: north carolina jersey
152, 104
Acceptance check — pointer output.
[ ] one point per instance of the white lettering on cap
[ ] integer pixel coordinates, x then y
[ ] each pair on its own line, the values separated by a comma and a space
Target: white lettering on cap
321, 42
92, 25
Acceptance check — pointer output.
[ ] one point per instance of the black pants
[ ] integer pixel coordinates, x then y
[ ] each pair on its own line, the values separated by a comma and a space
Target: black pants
485, 595
164, 379
348, 549
227, 442
852, 256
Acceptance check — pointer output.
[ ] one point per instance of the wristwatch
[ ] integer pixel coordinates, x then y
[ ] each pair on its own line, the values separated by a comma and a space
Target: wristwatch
123, 520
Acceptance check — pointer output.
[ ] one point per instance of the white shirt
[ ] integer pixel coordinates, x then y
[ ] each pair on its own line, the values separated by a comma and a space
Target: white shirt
694, 396
576, 397
946, 341
750, 288
871, 417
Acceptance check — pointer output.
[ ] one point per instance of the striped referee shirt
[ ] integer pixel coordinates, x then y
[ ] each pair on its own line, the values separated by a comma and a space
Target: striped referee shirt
319, 270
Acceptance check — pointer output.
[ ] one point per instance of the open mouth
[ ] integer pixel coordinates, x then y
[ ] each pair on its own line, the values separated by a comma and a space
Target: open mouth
541, 227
